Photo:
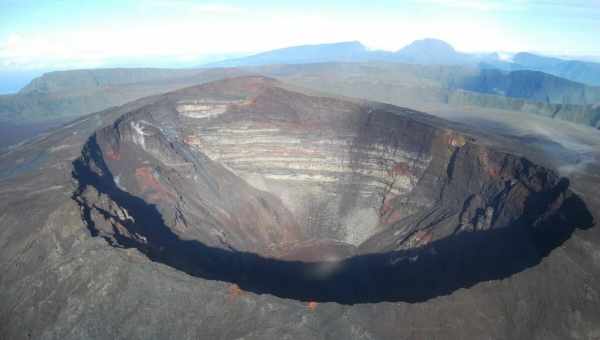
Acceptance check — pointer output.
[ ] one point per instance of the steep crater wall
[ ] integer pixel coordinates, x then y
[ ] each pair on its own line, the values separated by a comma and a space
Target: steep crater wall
316, 198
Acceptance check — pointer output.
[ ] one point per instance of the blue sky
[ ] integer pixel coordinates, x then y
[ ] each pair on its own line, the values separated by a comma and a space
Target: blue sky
78, 33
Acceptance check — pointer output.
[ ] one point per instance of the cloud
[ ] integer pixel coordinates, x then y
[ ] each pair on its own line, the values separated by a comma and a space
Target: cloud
478, 5
578, 4
205, 34
198, 8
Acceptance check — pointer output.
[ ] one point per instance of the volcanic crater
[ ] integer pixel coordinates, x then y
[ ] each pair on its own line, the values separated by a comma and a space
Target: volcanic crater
314, 198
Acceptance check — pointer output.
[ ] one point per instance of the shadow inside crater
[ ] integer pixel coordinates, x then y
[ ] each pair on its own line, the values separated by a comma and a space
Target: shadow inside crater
413, 275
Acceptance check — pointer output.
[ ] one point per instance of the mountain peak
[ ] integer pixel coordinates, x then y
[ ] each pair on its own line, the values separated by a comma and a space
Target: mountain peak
432, 51
339, 51
350, 43
431, 44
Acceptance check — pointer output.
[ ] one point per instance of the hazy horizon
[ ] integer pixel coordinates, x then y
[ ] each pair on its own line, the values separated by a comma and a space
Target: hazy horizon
46, 35
42, 36
14, 79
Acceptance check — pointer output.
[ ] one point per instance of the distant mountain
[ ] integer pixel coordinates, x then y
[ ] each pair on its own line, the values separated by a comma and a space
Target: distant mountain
586, 72
425, 87
426, 51
343, 51
11, 81
84, 80
432, 51
532, 85
581, 71
537, 61
68, 94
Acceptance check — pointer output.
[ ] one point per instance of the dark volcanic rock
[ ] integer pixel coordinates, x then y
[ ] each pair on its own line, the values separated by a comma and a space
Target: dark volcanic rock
247, 209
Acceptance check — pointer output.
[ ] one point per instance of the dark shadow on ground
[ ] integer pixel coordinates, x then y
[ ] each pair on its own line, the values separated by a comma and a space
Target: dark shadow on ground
414, 275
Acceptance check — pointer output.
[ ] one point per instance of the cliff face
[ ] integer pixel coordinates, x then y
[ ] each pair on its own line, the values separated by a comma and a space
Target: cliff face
582, 114
575, 70
533, 86
323, 157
